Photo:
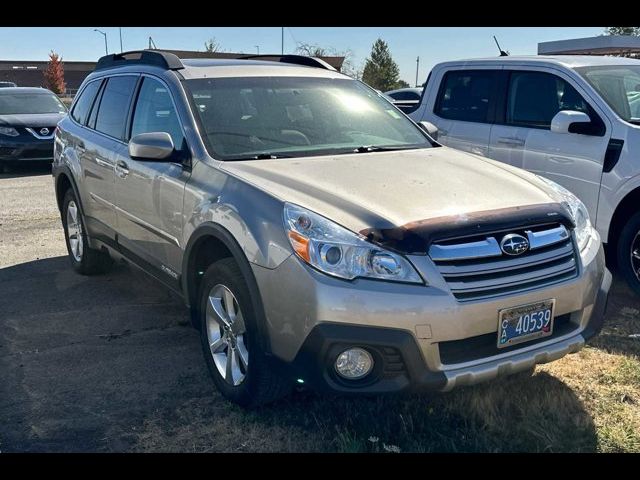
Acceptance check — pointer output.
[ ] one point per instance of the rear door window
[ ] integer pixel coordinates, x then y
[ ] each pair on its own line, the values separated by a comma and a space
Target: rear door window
114, 106
466, 95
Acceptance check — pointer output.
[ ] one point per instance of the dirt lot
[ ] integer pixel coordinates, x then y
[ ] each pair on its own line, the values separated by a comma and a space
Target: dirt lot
109, 363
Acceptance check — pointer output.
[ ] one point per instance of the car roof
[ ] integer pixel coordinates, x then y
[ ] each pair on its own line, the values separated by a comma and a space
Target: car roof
568, 61
407, 89
207, 67
14, 90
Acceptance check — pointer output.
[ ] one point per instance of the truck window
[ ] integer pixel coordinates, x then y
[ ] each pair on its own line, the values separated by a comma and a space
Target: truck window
465, 95
534, 98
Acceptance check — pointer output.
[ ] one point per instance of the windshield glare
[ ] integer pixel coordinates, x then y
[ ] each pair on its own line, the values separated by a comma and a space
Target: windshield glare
296, 116
619, 86
25, 103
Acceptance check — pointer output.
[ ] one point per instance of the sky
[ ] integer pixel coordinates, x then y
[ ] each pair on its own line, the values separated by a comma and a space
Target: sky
431, 44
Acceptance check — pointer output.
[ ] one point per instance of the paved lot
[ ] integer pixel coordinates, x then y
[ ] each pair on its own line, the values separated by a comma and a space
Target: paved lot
109, 363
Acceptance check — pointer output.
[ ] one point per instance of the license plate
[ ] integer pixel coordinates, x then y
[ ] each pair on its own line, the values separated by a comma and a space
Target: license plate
525, 323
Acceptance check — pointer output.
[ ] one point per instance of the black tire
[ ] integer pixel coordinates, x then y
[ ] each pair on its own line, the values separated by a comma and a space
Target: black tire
90, 261
260, 385
629, 241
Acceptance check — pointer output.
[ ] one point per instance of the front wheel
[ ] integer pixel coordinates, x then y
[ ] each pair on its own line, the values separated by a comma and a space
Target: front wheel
628, 252
229, 337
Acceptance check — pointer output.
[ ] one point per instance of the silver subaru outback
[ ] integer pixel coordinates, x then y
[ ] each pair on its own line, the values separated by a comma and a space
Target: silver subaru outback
318, 236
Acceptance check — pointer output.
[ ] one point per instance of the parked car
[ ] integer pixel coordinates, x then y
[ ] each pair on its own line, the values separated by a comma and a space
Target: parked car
572, 119
7, 84
318, 237
406, 99
28, 118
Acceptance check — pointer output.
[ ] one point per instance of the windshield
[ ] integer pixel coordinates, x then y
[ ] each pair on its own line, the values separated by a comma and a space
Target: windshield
619, 86
20, 103
267, 117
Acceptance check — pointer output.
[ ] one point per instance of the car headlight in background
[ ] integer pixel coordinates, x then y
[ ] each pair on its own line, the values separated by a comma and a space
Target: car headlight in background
336, 251
577, 209
9, 131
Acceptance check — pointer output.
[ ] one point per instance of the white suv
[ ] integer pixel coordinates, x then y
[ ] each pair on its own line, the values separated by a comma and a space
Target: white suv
573, 119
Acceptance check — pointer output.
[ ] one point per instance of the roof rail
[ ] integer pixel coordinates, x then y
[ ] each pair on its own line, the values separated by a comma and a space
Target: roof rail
294, 59
161, 59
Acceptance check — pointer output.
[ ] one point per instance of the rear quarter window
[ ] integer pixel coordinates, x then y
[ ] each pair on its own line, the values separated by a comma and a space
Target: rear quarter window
81, 109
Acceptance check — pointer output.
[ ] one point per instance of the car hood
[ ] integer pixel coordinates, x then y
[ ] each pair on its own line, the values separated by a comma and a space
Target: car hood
32, 119
390, 189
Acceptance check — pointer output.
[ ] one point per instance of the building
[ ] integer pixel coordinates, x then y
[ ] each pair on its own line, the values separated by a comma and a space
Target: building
619, 45
27, 73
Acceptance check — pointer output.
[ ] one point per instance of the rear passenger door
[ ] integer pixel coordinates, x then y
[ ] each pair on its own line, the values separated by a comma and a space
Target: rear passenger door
149, 194
463, 109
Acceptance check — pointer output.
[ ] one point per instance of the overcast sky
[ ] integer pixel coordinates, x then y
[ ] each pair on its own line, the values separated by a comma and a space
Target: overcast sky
431, 44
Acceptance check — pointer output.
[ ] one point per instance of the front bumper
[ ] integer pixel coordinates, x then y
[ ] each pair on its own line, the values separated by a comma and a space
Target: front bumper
29, 150
312, 318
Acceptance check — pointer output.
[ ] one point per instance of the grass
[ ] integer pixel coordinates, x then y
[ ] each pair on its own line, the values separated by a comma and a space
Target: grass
586, 402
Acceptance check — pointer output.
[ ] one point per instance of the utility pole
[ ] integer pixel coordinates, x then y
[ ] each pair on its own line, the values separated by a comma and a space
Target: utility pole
120, 28
106, 48
417, 67
257, 48
281, 40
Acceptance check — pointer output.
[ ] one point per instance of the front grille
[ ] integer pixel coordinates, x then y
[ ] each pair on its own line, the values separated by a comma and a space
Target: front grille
476, 269
484, 346
7, 151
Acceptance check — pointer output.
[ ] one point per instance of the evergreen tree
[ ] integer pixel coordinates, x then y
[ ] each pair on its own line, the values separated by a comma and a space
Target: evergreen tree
380, 71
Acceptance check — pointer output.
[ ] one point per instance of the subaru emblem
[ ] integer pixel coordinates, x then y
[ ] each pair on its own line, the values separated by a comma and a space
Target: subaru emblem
514, 244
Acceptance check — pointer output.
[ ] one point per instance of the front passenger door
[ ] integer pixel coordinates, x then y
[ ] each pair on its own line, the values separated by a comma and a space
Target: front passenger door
149, 194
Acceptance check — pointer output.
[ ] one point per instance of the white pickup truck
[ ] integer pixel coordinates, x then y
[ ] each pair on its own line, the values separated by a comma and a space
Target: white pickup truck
572, 119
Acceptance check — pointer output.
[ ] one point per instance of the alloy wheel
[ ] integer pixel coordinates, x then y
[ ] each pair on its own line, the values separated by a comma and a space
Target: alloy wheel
74, 231
226, 335
635, 255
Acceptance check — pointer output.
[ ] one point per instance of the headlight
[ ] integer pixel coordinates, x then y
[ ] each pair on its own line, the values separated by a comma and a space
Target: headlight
578, 211
9, 131
334, 250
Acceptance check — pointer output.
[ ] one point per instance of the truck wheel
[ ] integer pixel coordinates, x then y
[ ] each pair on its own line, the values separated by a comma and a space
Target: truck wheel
85, 260
228, 334
628, 252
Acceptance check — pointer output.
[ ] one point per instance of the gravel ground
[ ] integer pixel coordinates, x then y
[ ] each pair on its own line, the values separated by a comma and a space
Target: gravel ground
110, 363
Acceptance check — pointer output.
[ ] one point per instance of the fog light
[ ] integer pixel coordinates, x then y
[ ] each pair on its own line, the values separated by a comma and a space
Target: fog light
354, 363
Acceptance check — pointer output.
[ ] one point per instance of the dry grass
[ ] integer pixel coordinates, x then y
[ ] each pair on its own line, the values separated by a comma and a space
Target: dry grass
587, 402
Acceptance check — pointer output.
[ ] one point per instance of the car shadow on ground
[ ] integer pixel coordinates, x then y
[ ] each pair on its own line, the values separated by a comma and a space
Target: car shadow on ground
110, 363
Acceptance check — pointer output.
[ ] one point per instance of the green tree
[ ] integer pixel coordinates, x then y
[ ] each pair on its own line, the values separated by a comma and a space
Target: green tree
622, 31
401, 84
380, 71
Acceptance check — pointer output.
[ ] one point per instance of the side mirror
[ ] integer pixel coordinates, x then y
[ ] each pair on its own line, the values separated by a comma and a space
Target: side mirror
569, 121
430, 128
154, 146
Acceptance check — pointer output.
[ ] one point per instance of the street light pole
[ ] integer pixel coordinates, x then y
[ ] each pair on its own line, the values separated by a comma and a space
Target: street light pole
281, 40
106, 48
258, 48
417, 67
120, 28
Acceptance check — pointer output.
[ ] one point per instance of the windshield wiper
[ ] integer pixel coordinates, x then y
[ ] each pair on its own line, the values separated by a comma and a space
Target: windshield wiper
380, 148
259, 156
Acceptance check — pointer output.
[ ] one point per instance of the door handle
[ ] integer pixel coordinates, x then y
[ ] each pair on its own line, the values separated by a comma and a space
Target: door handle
511, 141
122, 169
103, 163
443, 133
80, 148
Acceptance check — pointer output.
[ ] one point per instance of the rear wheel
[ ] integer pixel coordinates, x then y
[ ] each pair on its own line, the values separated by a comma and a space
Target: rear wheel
229, 337
84, 259
628, 252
